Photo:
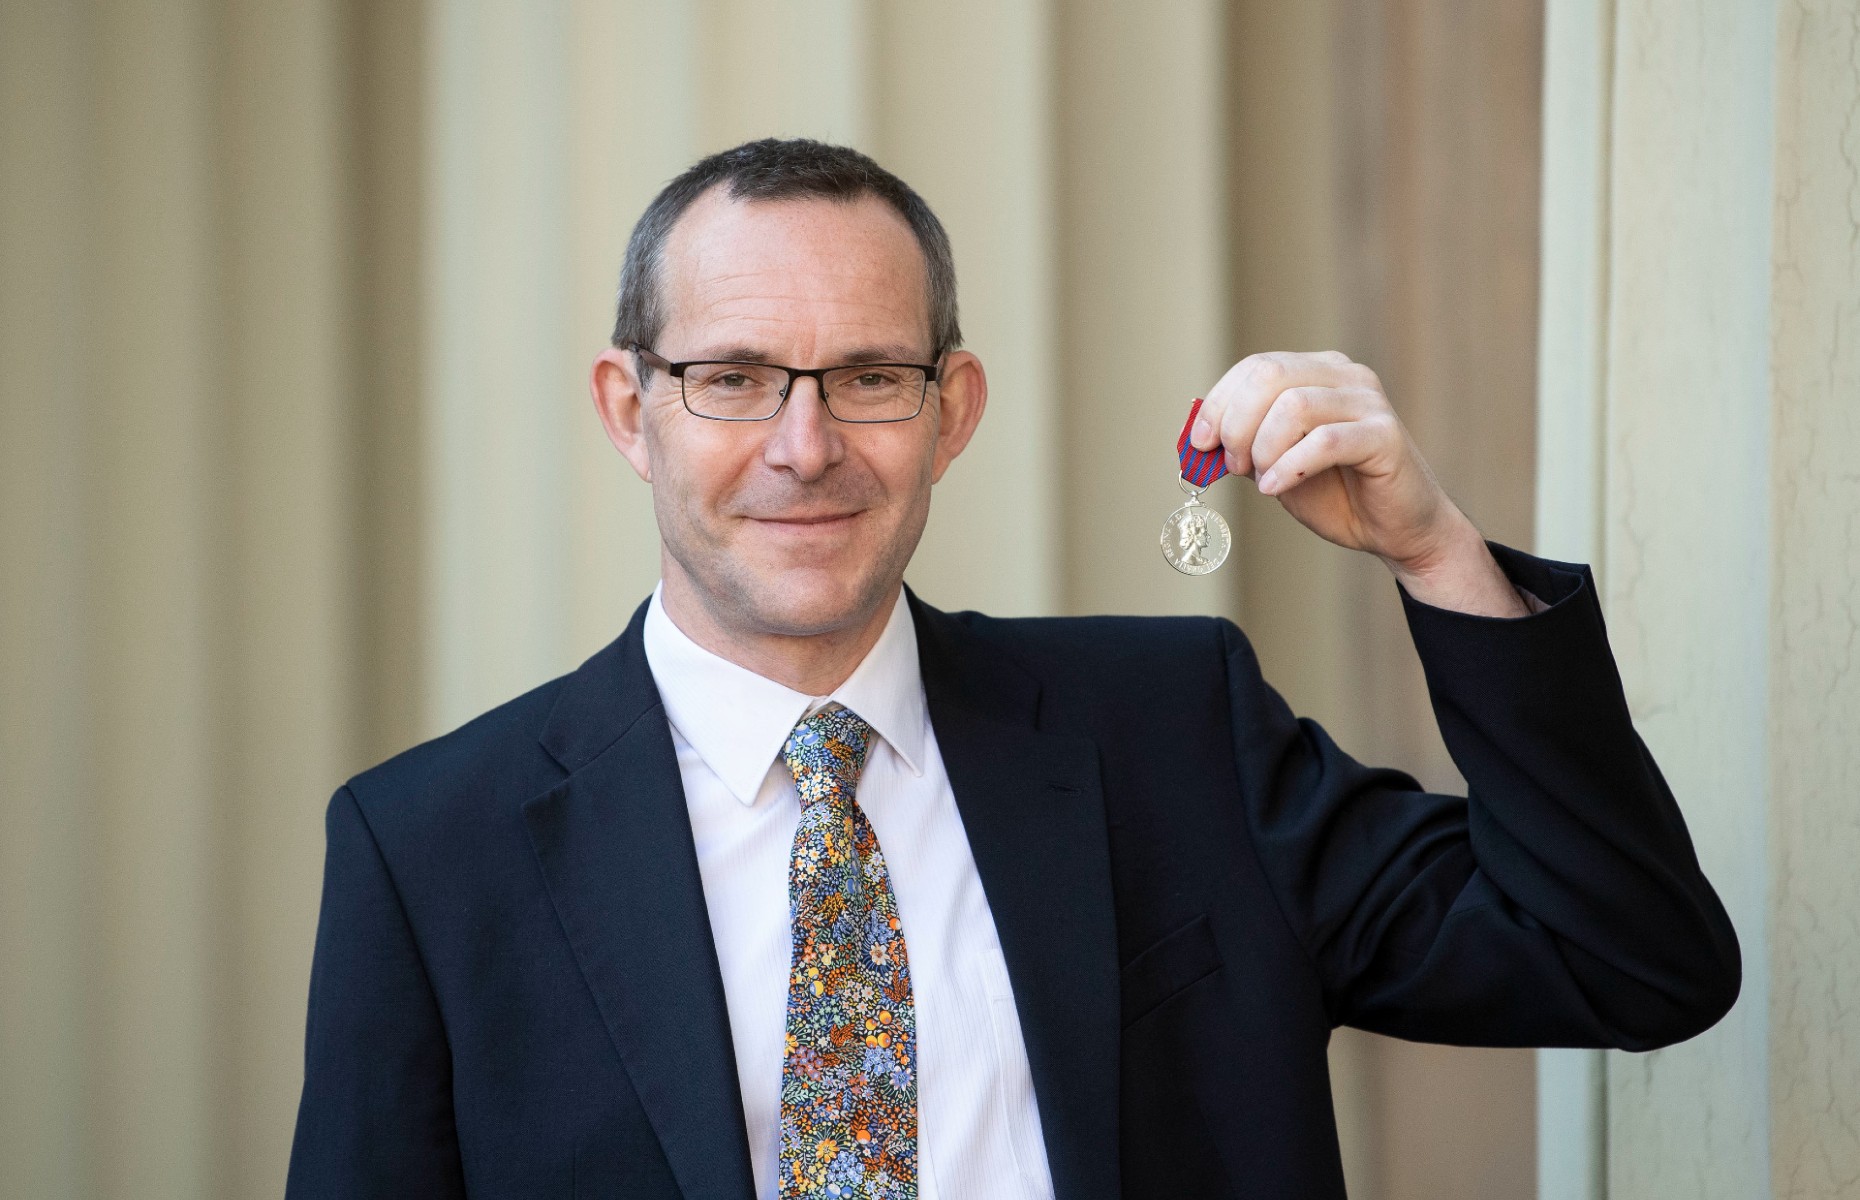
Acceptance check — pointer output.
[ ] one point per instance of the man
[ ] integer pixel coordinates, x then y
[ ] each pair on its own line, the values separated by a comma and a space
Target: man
803, 888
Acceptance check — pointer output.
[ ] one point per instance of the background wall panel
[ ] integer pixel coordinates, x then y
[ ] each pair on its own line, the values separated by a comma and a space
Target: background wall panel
967, 114
1814, 694
179, 561
1140, 193
1384, 179
284, 623
44, 653
297, 464
1724, 400
1572, 1143
153, 505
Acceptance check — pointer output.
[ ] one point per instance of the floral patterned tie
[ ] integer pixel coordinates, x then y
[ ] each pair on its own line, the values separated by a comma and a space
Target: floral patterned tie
849, 1070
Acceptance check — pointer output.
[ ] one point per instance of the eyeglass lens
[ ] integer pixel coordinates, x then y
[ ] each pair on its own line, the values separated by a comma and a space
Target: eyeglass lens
747, 391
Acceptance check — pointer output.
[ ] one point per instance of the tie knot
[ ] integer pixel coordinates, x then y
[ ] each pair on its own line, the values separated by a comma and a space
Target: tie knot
826, 753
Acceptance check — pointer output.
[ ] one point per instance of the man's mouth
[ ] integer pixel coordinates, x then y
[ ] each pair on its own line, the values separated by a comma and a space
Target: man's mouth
807, 520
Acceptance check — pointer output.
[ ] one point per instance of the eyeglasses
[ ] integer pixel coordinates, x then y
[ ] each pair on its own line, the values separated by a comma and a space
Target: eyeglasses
863, 394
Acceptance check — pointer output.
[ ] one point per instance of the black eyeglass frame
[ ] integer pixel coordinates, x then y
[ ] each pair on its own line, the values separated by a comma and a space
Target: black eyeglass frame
932, 374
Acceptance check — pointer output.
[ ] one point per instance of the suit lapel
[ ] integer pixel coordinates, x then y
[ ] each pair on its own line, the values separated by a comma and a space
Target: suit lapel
1032, 806
614, 842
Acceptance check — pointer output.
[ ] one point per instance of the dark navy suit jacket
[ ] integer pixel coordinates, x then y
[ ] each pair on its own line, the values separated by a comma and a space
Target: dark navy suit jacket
515, 992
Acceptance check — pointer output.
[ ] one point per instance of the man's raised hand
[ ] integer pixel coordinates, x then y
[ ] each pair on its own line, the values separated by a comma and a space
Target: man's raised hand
1317, 432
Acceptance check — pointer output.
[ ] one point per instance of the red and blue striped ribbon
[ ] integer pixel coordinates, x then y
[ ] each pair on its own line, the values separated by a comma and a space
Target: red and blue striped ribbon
1199, 467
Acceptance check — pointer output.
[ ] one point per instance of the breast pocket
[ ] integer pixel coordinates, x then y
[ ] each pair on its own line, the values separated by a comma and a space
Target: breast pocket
1177, 1067
1173, 964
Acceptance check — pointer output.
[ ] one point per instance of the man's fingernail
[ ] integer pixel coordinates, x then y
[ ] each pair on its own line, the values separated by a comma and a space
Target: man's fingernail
1202, 430
1268, 481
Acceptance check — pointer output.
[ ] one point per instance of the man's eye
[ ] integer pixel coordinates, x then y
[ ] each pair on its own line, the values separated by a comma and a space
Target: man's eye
873, 379
732, 379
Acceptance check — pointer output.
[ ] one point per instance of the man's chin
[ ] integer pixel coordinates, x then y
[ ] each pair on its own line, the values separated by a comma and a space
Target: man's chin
809, 602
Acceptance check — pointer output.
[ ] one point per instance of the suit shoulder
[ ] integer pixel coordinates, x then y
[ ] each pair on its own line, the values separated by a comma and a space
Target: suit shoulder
1102, 649
492, 760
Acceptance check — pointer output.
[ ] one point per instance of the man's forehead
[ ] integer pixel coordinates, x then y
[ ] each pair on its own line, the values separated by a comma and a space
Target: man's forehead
721, 237
751, 262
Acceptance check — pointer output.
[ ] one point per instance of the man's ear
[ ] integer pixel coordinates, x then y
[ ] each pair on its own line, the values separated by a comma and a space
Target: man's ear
962, 395
614, 385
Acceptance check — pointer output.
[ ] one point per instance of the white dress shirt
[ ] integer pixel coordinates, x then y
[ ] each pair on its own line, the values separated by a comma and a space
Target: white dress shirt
978, 1129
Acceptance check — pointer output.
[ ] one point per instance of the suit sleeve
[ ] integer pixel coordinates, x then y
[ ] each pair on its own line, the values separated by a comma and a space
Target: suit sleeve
376, 1116
1559, 903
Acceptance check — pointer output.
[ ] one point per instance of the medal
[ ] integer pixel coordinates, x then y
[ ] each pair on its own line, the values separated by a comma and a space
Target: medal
1195, 538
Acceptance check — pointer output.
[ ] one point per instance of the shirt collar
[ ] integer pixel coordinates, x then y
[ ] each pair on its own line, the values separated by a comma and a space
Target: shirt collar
738, 721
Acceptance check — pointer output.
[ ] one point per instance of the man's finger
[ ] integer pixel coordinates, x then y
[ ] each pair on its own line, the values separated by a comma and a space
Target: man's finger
1341, 444
1205, 435
1252, 384
1255, 388
1299, 410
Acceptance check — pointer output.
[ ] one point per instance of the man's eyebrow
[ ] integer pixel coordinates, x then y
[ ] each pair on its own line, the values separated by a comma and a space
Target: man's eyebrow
896, 352
742, 354
893, 353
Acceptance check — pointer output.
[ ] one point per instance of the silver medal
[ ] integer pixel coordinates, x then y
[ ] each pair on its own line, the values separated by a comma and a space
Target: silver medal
1195, 539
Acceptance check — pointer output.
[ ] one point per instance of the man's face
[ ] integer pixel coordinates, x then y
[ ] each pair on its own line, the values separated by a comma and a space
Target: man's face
801, 524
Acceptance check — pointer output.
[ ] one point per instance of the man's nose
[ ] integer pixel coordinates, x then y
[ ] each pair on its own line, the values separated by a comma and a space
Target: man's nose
806, 439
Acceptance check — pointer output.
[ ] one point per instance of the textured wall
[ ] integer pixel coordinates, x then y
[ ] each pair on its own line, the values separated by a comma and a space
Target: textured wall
1686, 483
1700, 425
1814, 640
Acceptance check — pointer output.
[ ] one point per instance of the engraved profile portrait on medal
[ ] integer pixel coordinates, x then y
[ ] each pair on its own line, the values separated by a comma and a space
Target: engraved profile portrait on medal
1195, 539
1192, 539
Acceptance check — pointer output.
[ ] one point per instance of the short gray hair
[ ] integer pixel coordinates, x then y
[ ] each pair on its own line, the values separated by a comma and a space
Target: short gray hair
779, 169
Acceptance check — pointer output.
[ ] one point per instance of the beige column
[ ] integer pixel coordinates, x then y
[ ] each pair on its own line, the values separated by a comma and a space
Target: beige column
1686, 555
177, 652
1141, 214
816, 72
1572, 1145
285, 623
633, 125
498, 410
110, 377
1683, 557
1814, 681
149, 851
46, 738
1723, 497
967, 117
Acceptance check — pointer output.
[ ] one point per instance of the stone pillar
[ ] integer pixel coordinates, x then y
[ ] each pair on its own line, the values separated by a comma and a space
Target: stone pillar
1699, 429
1141, 218
177, 686
1813, 764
